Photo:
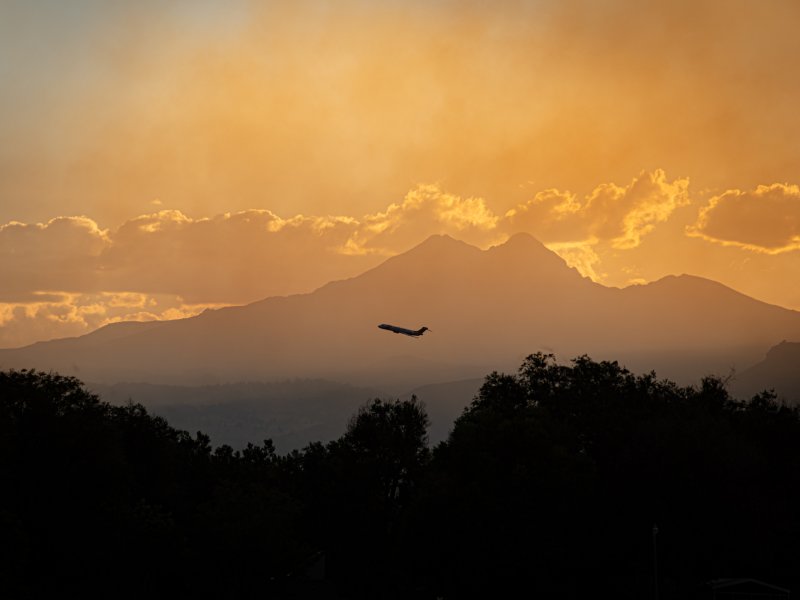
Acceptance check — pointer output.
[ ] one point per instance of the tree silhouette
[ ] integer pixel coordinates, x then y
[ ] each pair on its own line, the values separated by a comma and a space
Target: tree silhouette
387, 442
356, 490
553, 477
109, 500
550, 482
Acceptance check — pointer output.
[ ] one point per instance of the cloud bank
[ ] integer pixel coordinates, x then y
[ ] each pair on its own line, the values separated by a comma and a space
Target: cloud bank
69, 276
618, 215
213, 107
425, 211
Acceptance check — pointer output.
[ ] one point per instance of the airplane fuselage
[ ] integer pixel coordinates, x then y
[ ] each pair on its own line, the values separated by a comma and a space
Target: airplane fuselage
403, 330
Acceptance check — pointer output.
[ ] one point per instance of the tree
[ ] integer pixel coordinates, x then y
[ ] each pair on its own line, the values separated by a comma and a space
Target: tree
356, 492
89, 488
553, 476
387, 442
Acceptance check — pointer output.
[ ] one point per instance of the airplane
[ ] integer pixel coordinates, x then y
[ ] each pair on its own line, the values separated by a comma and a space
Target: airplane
403, 330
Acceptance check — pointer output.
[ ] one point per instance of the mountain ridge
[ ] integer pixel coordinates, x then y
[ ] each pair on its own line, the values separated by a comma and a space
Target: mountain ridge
486, 308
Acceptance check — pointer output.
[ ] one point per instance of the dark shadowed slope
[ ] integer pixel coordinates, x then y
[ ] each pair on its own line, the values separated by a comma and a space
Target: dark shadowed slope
780, 370
486, 309
687, 325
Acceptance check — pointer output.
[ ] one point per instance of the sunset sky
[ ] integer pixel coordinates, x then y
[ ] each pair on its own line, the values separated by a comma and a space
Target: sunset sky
159, 157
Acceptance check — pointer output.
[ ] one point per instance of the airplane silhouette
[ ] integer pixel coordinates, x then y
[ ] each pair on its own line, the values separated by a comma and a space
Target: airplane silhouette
403, 330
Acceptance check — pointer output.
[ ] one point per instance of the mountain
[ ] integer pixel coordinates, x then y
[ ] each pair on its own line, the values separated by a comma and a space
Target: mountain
486, 310
779, 371
290, 413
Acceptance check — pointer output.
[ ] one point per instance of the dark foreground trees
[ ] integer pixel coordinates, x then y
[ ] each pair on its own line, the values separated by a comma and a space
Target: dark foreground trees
109, 501
356, 494
553, 479
550, 482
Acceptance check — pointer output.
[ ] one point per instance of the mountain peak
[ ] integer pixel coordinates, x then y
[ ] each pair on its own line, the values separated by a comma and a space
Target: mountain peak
522, 235
522, 240
440, 240
439, 245
523, 248
485, 306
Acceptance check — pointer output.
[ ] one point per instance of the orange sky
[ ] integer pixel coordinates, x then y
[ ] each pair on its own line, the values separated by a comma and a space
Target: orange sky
159, 159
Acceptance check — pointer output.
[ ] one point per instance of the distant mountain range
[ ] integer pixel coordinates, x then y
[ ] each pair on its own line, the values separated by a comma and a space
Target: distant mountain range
290, 413
486, 310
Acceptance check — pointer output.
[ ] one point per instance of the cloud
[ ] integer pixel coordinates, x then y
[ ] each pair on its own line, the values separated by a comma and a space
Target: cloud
229, 258
620, 216
238, 257
233, 257
247, 255
321, 110
61, 254
65, 314
68, 276
581, 256
766, 219
59, 237
425, 210
590, 233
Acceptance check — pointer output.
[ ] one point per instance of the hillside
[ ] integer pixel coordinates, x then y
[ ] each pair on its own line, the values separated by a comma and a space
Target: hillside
779, 371
486, 310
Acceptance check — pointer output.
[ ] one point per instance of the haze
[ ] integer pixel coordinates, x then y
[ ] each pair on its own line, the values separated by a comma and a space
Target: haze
158, 160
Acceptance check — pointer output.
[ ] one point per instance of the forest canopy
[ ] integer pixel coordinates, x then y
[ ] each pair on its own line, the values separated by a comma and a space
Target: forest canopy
552, 480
